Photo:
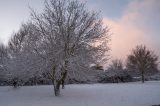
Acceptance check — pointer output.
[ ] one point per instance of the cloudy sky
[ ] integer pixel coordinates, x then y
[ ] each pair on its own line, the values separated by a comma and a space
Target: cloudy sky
132, 22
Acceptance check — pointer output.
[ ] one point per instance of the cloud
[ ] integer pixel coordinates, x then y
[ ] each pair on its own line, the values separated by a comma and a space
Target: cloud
125, 36
130, 29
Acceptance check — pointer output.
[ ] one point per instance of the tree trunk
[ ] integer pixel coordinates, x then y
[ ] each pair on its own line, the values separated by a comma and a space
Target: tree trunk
57, 82
57, 88
62, 84
142, 75
64, 78
64, 73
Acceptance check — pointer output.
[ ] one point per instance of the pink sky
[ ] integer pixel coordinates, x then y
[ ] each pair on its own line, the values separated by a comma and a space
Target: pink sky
126, 30
132, 22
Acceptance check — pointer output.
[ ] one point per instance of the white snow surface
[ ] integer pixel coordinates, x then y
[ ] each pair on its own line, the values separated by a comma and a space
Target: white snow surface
121, 94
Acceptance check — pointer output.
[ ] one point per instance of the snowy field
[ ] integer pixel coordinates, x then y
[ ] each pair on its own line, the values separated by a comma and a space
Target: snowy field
124, 94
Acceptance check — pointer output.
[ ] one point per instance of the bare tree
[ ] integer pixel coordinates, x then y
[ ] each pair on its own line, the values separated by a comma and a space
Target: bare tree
116, 65
141, 59
69, 38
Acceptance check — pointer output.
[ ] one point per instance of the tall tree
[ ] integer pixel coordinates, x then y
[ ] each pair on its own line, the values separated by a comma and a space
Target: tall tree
22, 62
3, 61
69, 38
143, 60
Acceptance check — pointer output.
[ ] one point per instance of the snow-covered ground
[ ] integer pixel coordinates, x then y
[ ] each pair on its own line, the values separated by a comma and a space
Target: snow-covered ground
124, 94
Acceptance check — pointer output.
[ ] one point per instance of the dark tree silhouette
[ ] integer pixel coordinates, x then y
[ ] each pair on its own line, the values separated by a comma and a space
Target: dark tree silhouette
141, 59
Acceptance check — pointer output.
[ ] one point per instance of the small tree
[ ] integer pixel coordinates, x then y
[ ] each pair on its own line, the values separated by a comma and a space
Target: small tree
116, 65
141, 59
115, 73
